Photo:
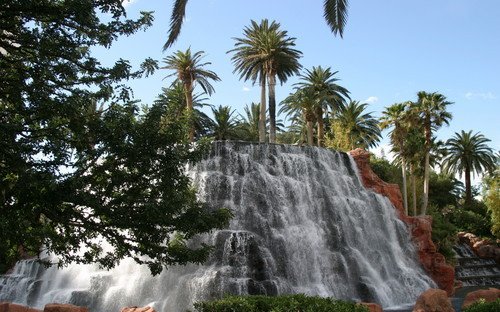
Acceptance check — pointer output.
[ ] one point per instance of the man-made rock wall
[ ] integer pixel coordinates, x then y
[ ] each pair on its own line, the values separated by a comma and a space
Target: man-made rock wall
484, 248
420, 227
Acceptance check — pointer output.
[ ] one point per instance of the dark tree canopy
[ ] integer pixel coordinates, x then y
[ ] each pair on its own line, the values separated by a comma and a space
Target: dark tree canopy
79, 164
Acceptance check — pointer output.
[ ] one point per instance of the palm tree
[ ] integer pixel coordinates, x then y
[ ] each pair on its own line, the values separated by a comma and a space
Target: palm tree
362, 128
248, 127
266, 52
395, 116
466, 153
431, 111
335, 14
225, 123
174, 98
301, 106
329, 95
189, 70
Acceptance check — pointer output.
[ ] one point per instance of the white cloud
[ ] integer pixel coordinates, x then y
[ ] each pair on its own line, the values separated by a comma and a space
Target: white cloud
245, 89
383, 151
127, 3
371, 100
480, 95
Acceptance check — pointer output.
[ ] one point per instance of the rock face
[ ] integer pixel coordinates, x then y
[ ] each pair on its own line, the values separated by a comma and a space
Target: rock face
488, 295
433, 300
372, 307
136, 309
483, 248
421, 227
11, 307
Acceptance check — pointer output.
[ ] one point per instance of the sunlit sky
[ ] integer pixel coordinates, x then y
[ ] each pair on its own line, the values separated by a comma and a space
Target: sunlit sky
391, 50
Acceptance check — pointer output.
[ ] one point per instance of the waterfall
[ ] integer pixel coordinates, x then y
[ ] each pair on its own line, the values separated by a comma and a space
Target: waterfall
303, 223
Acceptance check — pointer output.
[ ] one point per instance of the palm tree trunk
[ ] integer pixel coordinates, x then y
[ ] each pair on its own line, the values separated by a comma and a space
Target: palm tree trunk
425, 199
188, 88
310, 129
468, 188
405, 193
413, 186
321, 126
262, 115
272, 108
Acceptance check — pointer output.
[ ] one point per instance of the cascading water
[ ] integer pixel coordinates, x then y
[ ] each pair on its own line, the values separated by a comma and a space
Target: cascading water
303, 223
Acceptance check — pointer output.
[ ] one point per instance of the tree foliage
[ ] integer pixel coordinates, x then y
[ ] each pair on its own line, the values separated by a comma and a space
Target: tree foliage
82, 172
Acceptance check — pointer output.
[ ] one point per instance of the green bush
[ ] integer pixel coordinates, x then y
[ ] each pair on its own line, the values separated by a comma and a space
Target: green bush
443, 233
482, 306
287, 303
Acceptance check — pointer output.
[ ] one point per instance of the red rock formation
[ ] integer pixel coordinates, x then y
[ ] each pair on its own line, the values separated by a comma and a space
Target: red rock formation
372, 307
484, 248
433, 300
11, 307
54, 307
136, 309
420, 227
488, 295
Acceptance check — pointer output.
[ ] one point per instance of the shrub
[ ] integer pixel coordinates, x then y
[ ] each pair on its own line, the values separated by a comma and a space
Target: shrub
483, 306
286, 303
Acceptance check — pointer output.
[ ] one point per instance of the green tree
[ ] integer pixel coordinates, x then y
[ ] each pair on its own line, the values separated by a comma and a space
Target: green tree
301, 106
225, 123
335, 14
468, 153
266, 53
431, 111
189, 71
327, 93
395, 116
73, 175
248, 127
491, 195
361, 128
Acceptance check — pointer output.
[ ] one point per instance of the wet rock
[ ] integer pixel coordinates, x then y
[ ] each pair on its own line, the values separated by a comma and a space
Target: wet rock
136, 309
484, 248
488, 295
55, 307
372, 307
433, 300
11, 307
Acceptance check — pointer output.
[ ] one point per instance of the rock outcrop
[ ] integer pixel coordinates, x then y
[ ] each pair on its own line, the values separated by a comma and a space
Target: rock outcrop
484, 248
136, 309
372, 307
488, 295
433, 300
420, 227
11, 307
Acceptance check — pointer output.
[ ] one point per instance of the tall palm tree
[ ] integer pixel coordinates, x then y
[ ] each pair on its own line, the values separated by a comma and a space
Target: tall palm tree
395, 116
301, 105
225, 123
329, 95
266, 52
188, 68
362, 128
466, 153
334, 12
431, 111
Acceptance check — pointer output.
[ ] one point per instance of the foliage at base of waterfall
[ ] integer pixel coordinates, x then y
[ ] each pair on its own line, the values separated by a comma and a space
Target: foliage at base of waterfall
483, 306
297, 303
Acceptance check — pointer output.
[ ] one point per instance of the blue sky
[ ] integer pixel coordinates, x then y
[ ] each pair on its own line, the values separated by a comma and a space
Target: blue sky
391, 50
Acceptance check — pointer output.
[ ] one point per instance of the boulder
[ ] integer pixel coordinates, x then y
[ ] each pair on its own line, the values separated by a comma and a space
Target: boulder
55, 307
484, 248
488, 295
136, 309
372, 307
433, 300
11, 307
420, 227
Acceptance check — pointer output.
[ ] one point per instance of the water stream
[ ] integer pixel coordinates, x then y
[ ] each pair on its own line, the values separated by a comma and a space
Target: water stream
303, 223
